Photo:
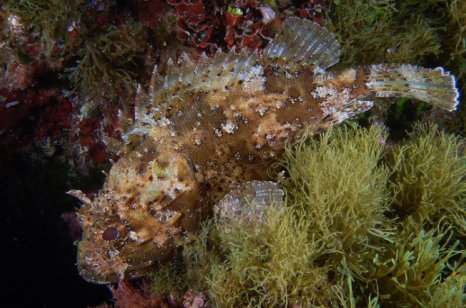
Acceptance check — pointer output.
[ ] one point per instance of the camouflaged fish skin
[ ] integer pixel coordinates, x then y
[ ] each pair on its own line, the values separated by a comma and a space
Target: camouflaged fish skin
208, 124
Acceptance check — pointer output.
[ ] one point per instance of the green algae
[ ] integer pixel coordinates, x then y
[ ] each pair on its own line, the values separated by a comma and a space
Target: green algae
272, 265
410, 31
339, 186
455, 55
419, 264
47, 20
189, 271
428, 178
343, 237
108, 65
170, 279
383, 30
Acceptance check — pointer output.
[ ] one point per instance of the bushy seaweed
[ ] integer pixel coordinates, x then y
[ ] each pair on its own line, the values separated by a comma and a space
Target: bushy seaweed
48, 20
455, 55
342, 237
107, 66
189, 271
383, 30
270, 265
170, 279
455, 38
414, 267
102, 57
339, 186
428, 179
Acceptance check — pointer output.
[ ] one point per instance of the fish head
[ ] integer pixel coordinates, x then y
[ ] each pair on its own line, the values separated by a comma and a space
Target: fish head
148, 201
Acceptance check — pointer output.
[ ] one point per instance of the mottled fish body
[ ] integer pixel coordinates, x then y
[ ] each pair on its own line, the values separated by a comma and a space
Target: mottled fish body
210, 124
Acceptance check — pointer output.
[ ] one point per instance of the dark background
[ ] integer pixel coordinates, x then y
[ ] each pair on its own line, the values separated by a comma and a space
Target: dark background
37, 255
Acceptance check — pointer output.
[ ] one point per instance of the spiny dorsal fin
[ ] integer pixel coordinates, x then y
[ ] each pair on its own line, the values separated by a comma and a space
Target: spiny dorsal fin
219, 72
301, 40
168, 91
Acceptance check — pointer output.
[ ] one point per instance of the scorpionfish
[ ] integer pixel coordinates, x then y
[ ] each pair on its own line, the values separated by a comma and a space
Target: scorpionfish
208, 124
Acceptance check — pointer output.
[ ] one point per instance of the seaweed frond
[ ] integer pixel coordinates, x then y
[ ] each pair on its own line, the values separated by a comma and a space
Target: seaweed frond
190, 271
384, 30
107, 66
449, 292
270, 264
415, 272
429, 178
201, 255
338, 184
169, 279
50, 20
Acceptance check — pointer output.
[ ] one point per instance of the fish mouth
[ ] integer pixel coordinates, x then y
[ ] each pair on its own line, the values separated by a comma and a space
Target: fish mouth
95, 264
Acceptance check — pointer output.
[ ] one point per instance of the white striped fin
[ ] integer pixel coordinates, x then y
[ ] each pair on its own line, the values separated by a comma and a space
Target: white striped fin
301, 40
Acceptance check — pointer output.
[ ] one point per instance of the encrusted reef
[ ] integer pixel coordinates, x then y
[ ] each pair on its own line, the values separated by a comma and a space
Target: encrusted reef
214, 122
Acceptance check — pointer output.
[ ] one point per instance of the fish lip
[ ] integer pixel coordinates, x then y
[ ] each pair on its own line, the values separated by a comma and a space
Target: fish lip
91, 275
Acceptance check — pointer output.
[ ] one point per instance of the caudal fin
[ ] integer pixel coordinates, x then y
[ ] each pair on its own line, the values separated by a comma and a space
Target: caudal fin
435, 86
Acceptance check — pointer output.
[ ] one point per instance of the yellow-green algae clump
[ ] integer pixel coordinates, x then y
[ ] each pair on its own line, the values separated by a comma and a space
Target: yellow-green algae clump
354, 229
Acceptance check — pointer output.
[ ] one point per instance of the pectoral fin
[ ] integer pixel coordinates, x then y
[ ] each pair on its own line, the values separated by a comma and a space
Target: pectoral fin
301, 40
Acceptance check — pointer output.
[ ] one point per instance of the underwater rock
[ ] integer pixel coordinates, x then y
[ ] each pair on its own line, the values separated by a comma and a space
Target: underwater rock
210, 124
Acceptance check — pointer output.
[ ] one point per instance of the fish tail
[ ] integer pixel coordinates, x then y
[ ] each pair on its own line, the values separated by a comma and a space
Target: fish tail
435, 86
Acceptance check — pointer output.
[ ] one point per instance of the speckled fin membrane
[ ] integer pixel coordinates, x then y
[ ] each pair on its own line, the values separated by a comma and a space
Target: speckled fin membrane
208, 73
249, 201
435, 86
301, 40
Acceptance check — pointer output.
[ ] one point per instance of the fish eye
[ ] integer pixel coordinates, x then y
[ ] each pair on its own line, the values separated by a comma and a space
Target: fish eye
110, 233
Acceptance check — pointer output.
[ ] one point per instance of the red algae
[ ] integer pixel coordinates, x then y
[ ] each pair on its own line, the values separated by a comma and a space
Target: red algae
54, 120
150, 13
127, 295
